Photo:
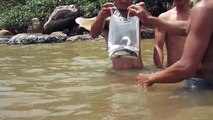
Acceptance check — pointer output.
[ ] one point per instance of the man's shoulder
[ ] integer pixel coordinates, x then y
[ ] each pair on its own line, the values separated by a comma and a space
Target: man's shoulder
203, 8
205, 5
167, 14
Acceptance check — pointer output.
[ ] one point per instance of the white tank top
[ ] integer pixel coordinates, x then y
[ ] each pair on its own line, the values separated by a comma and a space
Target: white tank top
123, 33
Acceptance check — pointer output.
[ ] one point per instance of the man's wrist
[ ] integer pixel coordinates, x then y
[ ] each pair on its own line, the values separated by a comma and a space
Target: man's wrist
143, 18
101, 17
148, 19
150, 80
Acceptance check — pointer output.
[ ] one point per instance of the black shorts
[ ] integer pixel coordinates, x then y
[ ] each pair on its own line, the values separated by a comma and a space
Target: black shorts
195, 83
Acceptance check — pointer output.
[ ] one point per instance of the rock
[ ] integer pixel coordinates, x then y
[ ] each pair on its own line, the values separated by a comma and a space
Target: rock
83, 38
63, 17
23, 38
58, 33
5, 33
4, 39
26, 38
59, 36
35, 26
78, 31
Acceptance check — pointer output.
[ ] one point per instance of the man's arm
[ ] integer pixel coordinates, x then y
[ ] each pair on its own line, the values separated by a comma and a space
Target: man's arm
177, 27
158, 55
99, 24
196, 44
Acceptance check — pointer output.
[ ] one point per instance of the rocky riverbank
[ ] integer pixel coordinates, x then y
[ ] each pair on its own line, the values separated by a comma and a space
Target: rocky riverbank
64, 24
25, 38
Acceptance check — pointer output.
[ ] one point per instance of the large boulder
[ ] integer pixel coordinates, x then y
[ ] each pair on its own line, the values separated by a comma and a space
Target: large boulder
63, 17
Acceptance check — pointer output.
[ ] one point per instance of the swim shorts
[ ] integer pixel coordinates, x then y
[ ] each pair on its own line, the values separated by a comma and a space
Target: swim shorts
195, 83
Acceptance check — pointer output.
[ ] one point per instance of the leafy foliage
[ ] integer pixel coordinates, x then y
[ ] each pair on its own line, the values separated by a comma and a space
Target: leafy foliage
16, 14
156, 7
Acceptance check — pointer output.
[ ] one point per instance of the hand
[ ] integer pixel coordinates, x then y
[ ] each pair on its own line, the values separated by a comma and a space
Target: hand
139, 10
106, 10
143, 80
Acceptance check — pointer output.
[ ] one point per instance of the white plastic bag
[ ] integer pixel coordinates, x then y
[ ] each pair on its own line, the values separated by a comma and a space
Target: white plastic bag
123, 38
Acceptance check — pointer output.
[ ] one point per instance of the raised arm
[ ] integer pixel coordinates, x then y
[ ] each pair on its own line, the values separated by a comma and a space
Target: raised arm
99, 24
177, 27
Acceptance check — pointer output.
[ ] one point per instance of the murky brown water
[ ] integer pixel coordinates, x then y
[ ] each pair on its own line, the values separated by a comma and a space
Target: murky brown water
74, 81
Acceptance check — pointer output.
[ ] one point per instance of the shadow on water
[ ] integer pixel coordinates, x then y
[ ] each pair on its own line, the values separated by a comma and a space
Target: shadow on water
74, 81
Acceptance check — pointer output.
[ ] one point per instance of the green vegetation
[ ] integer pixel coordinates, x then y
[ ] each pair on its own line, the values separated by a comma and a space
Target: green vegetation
16, 14
156, 7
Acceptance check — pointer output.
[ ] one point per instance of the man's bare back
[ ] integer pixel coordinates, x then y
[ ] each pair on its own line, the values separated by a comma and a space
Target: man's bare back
205, 36
206, 69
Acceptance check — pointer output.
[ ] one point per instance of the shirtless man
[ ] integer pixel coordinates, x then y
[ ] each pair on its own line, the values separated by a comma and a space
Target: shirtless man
101, 26
174, 43
197, 59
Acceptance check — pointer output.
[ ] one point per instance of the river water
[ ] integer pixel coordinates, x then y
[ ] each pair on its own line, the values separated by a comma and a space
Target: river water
74, 81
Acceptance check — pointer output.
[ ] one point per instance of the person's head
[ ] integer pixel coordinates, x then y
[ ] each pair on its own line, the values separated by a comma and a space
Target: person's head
181, 2
123, 4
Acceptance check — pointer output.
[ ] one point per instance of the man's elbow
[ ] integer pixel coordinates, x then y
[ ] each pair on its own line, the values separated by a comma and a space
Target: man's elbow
189, 69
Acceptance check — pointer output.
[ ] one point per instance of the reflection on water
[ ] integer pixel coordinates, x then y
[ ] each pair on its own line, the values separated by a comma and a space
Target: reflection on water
74, 81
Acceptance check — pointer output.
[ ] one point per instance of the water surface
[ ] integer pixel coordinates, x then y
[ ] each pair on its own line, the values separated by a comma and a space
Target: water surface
74, 81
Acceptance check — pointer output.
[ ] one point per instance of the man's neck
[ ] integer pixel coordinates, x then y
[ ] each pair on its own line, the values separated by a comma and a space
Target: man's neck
123, 12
